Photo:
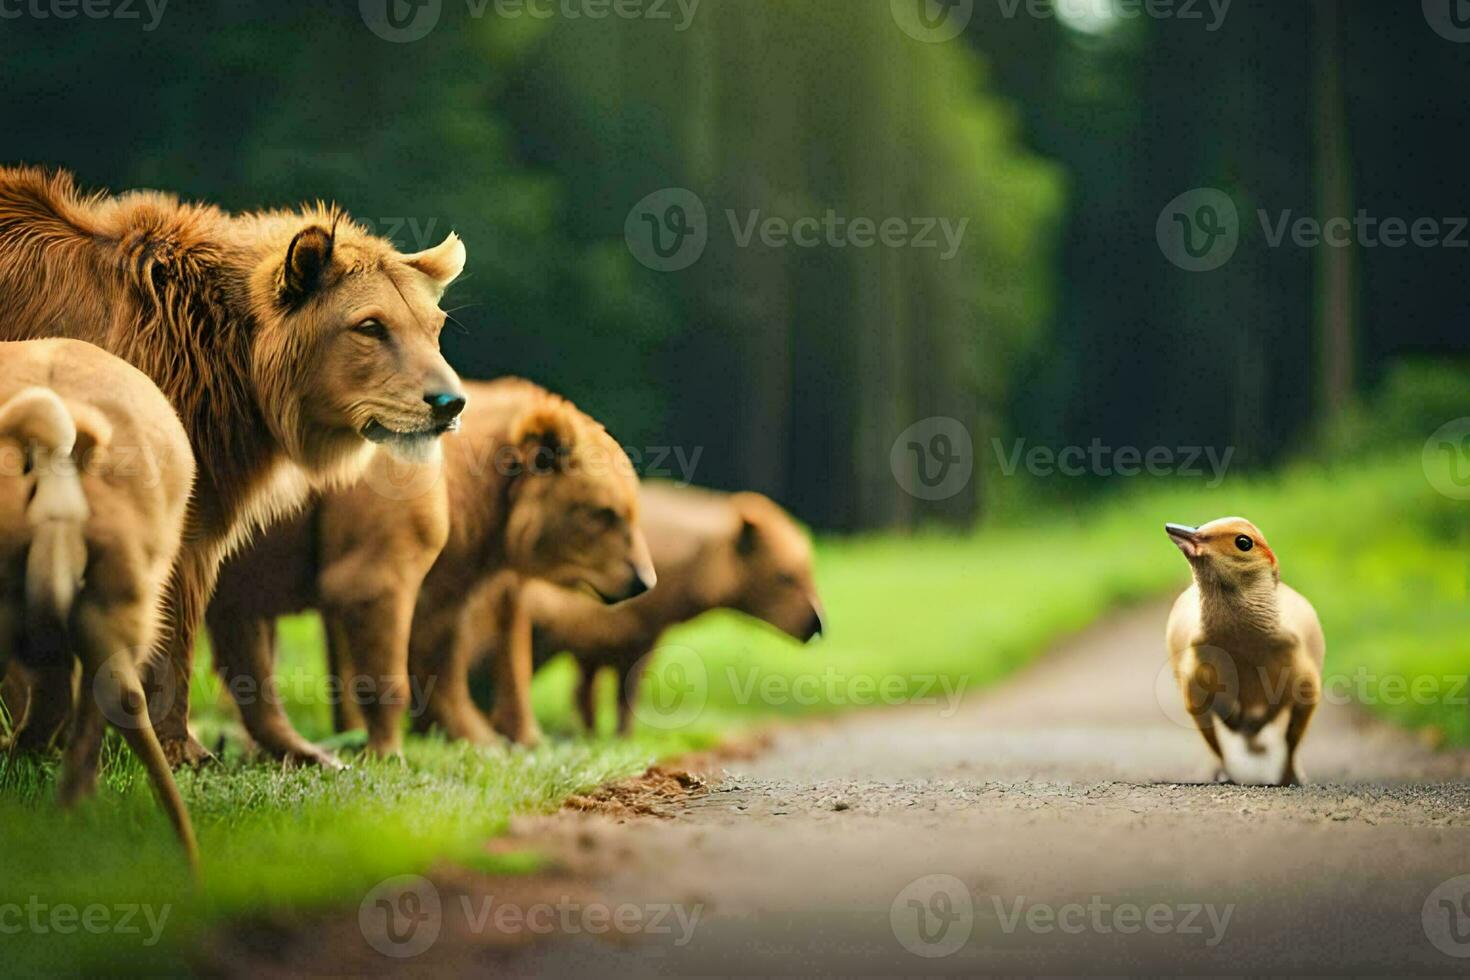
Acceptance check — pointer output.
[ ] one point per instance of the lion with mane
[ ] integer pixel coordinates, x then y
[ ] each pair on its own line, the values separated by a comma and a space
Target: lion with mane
289, 342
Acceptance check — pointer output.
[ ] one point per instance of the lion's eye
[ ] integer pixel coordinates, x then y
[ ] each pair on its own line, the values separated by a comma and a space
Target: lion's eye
1244, 542
372, 328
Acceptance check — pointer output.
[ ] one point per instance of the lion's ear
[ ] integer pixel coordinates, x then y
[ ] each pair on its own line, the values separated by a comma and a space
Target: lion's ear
307, 259
443, 263
544, 438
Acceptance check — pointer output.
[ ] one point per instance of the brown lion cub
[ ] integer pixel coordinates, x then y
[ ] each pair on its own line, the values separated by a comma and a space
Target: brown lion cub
713, 551
288, 342
530, 485
95, 474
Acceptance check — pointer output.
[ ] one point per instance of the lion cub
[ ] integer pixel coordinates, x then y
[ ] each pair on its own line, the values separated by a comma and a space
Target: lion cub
713, 551
1247, 651
530, 486
95, 477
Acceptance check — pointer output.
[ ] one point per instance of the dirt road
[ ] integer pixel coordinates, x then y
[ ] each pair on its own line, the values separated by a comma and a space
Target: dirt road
1062, 822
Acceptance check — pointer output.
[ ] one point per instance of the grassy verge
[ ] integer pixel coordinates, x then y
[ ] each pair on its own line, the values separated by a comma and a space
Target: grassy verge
917, 619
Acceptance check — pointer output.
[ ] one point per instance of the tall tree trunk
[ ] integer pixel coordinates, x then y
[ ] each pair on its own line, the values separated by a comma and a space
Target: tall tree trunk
1336, 283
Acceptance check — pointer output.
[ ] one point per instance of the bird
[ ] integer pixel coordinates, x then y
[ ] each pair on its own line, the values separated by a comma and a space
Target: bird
1247, 651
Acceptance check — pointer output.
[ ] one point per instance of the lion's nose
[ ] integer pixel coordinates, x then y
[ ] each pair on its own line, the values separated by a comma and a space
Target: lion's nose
445, 405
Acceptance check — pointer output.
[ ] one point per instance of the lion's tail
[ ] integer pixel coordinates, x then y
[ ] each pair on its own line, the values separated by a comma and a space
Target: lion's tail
39, 420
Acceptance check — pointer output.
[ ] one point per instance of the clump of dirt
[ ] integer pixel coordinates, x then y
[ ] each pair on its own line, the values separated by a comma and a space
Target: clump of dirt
641, 796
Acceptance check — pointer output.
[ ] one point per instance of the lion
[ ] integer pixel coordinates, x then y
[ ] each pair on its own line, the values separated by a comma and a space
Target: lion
95, 477
289, 342
530, 486
713, 551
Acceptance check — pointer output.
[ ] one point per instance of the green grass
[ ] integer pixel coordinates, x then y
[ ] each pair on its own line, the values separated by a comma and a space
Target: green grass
1382, 555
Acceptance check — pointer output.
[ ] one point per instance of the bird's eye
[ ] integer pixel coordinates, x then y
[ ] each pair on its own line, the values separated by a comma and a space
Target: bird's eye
1244, 542
372, 328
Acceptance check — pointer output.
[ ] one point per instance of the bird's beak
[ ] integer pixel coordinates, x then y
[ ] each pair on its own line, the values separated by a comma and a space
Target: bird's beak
1185, 537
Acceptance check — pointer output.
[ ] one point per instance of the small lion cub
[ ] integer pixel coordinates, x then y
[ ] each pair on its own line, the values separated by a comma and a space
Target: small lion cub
95, 477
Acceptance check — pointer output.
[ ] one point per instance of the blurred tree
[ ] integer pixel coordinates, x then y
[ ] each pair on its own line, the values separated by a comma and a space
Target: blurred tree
796, 368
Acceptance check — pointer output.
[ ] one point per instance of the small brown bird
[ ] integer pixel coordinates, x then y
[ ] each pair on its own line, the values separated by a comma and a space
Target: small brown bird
1247, 651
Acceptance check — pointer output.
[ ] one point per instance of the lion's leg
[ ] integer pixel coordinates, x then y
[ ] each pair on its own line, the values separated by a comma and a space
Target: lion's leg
442, 680
15, 691
373, 635
108, 642
167, 676
79, 764
245, 657
586, 694
512, 715
49, 708
629, 679
345, 715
